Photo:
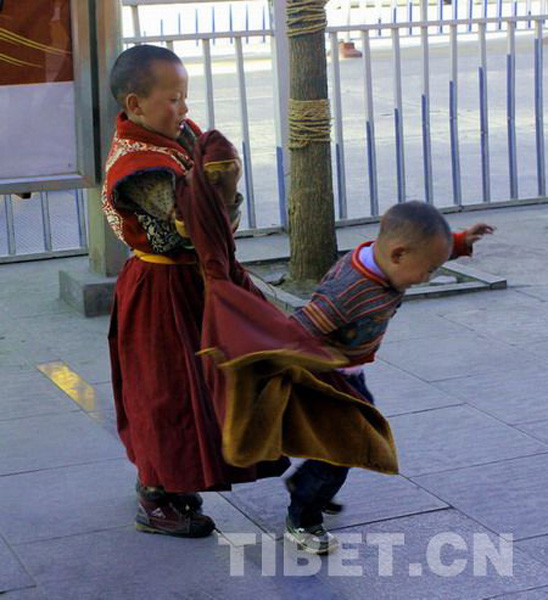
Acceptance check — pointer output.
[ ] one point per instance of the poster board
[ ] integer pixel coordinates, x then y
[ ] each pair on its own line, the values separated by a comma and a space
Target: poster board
47, 136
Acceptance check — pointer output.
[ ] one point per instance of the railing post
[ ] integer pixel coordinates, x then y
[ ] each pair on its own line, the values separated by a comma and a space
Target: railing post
280, 66
106, 253
425, 107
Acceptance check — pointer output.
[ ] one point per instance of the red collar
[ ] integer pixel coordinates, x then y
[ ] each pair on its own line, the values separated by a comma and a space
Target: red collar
129, 130
361, 268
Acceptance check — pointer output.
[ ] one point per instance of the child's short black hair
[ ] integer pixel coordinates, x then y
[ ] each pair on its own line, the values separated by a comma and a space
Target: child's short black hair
132, 73
415, 222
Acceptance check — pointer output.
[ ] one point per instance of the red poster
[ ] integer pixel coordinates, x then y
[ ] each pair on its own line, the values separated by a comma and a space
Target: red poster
35, 41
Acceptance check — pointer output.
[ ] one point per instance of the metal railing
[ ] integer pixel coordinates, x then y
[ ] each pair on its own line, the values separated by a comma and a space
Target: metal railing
46, 225
371, 39
480, 25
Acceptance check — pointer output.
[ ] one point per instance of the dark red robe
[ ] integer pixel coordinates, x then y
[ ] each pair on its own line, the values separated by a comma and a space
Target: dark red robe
164, 409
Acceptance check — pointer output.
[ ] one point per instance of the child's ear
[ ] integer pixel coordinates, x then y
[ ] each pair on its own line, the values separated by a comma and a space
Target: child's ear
132, 105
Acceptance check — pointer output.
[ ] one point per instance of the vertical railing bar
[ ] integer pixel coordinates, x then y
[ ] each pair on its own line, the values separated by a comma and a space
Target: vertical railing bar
339, 134
208, 74
515, 12
410, 15
246, 148
197, 25
484, 115
136, 21
81, 214
247, 22
440, 14
10, 225
398, 114
539, 110
279, 44
370, 125
470, 14
511, 109
453, 119
230, 21
46, 221
499, 13
425, 108
528, 12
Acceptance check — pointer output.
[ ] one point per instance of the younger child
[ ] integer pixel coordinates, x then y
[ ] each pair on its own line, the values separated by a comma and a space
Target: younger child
350, 311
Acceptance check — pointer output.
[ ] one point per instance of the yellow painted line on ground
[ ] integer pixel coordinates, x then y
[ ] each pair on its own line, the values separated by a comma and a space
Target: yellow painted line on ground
71, 383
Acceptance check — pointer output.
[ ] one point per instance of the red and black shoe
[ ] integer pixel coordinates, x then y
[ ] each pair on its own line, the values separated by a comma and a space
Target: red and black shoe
193, 501
165, 518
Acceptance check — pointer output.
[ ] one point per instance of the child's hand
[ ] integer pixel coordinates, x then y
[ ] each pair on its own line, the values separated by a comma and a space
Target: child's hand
476, 232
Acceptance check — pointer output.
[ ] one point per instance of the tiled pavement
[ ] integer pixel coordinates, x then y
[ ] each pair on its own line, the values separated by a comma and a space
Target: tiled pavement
464, 381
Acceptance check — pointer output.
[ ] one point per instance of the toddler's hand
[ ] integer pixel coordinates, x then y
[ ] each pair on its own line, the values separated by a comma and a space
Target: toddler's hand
476, 232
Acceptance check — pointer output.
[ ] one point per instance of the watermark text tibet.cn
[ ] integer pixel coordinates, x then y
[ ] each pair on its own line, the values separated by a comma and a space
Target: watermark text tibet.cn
446, 554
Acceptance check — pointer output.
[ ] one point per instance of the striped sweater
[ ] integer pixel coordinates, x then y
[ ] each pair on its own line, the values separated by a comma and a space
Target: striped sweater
352, 306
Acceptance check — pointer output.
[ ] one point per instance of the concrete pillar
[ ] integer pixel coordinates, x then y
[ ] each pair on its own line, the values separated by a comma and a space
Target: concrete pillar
90, 289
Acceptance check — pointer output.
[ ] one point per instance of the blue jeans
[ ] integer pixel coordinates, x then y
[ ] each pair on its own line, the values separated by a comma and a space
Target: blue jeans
315, 483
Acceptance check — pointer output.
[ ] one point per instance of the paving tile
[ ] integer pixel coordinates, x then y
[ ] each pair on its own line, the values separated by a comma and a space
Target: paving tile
228, 519
536, 291
537, 547
463, 355
93, 368
107, 420
367, 497
508, 497
538, 349
530, 594
51, 441
420, 534
105, 399
29, 393
538, 429
32, 593
417, 320
527, 325
511, 396
454, 437
397, 392
67, 501
12, 573
126, 565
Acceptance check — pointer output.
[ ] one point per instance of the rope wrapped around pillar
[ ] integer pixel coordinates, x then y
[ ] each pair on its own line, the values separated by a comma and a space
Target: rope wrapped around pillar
305, 17
309, 122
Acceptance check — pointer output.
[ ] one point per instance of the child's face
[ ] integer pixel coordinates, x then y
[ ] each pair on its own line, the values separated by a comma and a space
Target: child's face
413, 265
164, 109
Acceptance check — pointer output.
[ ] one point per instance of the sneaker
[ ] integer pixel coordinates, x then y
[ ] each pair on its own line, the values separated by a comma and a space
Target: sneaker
314, 540
166, 519
192, 501
329, 508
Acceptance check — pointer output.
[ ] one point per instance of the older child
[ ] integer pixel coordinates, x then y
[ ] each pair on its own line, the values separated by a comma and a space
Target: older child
350, 311
164, 410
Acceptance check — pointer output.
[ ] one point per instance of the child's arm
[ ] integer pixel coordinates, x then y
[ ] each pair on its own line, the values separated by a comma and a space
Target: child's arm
463, 241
